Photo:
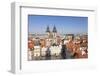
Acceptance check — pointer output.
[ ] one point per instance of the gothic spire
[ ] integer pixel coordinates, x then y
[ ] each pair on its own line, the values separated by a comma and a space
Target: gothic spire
47, 30
54, 29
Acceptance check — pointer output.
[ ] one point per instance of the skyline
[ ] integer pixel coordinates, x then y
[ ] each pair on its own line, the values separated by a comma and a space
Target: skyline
64, 24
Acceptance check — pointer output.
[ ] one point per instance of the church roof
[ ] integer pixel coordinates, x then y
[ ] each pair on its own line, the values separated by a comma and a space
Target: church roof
47, 30
54, 29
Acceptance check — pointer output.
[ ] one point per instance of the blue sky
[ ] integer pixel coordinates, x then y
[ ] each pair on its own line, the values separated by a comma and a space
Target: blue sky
64, 24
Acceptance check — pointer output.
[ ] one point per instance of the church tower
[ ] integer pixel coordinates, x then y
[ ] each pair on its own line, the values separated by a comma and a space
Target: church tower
54, 31
48, 31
